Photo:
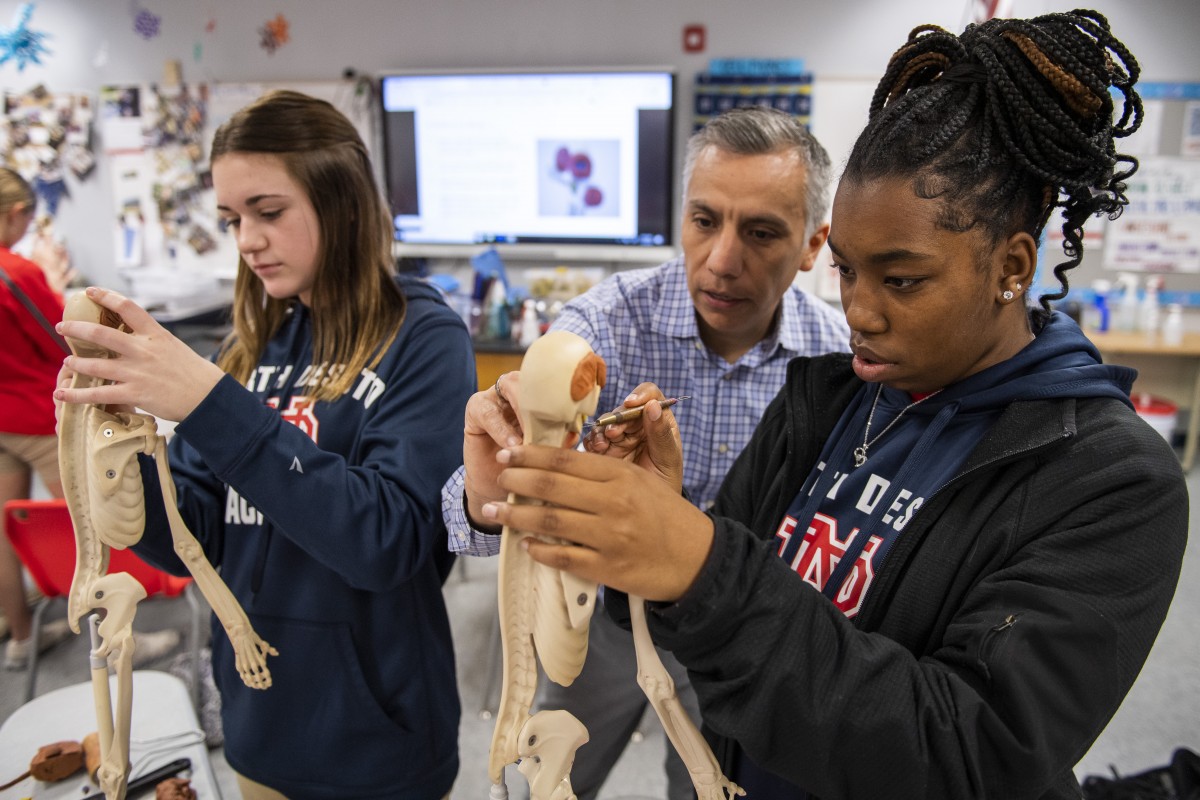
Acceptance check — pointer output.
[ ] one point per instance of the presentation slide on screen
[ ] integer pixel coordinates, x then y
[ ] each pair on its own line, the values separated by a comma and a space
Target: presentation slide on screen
524, 155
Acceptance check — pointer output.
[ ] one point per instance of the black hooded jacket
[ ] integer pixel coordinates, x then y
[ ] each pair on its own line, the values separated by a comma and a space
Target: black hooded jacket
999, 635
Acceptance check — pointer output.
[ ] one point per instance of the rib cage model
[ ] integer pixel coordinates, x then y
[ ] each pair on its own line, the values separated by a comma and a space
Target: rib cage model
102, 482
544, 613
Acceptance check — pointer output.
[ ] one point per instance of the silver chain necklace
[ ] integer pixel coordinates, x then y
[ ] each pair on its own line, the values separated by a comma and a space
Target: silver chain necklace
860, 452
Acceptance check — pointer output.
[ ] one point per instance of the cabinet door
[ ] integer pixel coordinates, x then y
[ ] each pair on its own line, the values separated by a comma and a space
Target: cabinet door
489, 366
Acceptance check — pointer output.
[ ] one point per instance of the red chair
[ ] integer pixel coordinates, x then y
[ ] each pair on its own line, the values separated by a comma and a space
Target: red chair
44, 539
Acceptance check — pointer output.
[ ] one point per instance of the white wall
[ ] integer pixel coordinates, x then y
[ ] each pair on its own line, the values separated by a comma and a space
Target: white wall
93, 44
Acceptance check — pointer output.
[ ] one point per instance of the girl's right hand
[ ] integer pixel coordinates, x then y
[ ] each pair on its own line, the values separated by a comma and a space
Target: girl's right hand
146, 365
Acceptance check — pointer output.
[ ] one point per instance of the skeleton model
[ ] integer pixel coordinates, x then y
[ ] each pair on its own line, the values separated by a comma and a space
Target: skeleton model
544, 613
101, 477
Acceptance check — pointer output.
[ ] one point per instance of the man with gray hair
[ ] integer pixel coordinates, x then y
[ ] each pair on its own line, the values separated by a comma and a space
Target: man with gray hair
719, 325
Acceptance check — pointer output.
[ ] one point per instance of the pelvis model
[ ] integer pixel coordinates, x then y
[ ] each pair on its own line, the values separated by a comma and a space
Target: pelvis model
544, 613
101, 477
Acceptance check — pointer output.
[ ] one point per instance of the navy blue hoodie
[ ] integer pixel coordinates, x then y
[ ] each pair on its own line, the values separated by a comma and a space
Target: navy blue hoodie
910, 462
324, 521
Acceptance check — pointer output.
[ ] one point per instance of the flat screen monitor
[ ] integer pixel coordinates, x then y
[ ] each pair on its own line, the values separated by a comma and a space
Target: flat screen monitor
557, 162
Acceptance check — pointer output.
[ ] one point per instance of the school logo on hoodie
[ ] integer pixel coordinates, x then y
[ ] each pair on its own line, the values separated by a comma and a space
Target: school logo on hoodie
300, 413
837, 526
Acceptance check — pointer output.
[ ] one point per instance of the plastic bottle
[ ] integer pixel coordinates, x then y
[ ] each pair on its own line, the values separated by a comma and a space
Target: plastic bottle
497, 325
1125, 318
1148, 314
1095, 317
530, 324
1172, 328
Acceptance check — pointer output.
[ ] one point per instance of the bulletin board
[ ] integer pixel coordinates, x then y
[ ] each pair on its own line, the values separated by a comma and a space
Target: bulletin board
155, 139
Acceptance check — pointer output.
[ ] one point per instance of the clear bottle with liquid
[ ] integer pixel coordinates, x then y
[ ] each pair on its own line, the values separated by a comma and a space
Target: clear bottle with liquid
1148, 312
1125, 316
1172, 327
530, 324
496, 324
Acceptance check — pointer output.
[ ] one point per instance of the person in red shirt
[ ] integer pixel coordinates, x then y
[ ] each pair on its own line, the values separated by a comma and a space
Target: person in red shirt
29, 364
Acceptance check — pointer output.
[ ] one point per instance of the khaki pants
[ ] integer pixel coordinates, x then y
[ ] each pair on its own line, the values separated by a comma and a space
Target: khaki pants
21, 453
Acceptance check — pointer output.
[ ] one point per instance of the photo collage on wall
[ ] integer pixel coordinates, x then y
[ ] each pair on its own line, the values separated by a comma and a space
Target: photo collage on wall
155, 140
44, 136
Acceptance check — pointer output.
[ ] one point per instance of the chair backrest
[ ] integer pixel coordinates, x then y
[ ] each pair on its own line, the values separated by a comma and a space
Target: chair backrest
44, 539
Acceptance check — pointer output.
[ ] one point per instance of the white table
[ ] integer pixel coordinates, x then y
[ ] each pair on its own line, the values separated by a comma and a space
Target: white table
164, 728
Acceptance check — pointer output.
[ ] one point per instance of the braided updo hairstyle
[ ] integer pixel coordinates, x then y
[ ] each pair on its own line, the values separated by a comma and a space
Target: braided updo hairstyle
1006, 122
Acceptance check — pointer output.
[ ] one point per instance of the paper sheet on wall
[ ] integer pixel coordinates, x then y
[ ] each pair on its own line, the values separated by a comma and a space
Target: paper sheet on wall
1159, 230
1145, 141
1190, 141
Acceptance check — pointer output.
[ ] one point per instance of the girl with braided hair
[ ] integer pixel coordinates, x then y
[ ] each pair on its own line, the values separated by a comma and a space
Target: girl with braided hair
941, 562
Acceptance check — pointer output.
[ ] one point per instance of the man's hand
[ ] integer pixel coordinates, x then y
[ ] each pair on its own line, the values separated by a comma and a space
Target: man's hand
491, 424
651, 441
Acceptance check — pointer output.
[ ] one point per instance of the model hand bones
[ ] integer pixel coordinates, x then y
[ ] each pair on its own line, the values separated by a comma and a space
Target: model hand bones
102, 482
545, 613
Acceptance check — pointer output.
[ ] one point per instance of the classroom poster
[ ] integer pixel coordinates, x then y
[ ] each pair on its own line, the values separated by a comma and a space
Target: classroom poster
1159, 231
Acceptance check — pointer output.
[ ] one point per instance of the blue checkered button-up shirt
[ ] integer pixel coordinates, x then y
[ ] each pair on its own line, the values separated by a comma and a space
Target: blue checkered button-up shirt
642, 322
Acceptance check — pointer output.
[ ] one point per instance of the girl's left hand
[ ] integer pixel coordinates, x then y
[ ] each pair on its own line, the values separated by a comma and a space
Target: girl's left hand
150, 368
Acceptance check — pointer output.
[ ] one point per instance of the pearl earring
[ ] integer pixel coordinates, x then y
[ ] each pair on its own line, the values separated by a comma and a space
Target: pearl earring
1007, 295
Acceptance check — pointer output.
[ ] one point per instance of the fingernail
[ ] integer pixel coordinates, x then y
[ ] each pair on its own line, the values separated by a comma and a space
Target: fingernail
92, 291
58, 327
504, 456
490, 510
513, 441
632, 398
525, 542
